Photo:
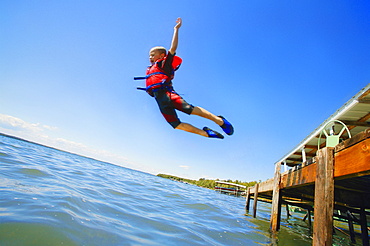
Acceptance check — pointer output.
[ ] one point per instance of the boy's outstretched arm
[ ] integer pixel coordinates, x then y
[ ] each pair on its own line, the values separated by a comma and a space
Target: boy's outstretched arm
175, 38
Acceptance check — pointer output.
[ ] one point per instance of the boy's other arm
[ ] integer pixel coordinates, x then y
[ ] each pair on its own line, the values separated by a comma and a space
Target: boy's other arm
175, 38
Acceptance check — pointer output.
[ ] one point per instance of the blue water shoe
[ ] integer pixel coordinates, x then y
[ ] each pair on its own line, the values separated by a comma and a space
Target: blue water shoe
227, 127
213, 134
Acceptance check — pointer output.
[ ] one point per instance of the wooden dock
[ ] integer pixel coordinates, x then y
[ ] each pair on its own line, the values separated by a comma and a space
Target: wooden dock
230, 188
329, 182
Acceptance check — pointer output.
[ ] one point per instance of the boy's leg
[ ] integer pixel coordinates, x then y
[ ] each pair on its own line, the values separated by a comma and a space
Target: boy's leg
219, 120
190, 128
206, 132
167, 103
180, 104
208, 115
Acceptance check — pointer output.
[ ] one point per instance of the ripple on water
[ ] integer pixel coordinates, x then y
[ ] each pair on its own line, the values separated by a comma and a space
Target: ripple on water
116, 193
33, 234
33, 172
53, 198
3, 154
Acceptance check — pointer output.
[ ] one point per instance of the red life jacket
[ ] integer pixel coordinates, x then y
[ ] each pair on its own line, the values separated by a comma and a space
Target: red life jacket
156, 77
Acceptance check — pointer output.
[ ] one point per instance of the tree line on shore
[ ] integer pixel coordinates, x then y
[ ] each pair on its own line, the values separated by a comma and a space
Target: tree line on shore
206, 183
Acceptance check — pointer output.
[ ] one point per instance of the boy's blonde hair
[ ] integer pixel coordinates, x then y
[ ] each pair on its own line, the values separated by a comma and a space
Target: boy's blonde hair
160, 49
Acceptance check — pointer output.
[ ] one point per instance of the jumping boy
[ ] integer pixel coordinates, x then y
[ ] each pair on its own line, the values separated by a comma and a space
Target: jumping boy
159, 85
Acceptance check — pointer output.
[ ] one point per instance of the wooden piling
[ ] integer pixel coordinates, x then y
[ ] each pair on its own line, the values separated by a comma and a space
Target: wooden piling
255, 200
350, 227
276, 200
308, 216
248, 199
364, 232
287, 211
324, 198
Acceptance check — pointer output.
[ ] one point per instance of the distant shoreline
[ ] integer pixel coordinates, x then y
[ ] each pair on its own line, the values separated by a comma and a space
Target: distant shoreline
205, 183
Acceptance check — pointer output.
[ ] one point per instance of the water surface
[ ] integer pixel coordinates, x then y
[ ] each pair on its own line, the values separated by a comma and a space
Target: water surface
50, 197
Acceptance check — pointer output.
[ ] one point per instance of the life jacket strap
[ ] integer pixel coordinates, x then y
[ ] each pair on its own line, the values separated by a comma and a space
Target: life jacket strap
157, 86
149, 75
164, 85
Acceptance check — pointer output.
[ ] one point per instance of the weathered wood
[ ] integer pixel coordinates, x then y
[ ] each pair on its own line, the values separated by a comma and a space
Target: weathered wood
324, 198
248, 199
353, 160
276, 201
267, 185
308, 215
309, 218
353, 140
287, 211
303, 176
364, 232
308, 154
314, 147
350, 227
364, 94
367, 101
255, 201
355, 123
362, 119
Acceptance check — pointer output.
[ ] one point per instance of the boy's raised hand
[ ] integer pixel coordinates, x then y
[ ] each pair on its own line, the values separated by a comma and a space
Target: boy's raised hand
175, 38
179, 22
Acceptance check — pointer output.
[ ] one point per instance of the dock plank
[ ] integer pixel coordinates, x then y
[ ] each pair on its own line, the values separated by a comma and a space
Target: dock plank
354, 160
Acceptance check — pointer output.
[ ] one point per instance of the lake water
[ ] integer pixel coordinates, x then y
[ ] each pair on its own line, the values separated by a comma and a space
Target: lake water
50, 197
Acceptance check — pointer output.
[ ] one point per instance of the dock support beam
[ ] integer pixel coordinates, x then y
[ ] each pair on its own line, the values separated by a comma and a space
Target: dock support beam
364, 233
248, 199
276, 201
324, 198
350, 226
255, 198
287, 211
308, 215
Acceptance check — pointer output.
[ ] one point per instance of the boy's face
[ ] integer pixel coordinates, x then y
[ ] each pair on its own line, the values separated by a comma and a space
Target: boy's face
154, 56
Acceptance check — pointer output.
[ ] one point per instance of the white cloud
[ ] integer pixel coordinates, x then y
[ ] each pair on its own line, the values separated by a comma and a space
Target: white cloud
52, 128
39, 133
16, 124
65, 142
184, 167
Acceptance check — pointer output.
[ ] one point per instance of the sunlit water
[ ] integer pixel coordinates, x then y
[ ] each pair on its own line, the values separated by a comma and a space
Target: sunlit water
50, 197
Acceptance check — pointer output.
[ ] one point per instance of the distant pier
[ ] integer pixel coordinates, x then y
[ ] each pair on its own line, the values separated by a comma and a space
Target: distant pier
328, 176
230, 188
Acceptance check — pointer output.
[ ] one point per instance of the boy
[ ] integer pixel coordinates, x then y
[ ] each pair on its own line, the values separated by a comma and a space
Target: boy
159, 85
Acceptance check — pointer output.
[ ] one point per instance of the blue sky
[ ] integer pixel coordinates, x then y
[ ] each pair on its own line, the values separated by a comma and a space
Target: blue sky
275, 69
